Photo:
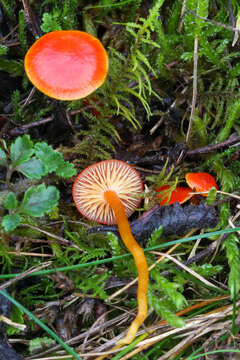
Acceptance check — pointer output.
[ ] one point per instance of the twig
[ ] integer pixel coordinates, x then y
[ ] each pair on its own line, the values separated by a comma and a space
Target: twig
8, 321
205, 252
24, 274
2, 39
60, 238
23, 128
162, 322
194, 96
182, 15
110, 323
24, 253
213, 22
194, 99
31, 19
210, 148
190, 271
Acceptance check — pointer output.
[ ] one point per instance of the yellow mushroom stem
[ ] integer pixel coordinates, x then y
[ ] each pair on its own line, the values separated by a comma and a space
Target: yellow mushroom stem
137, 252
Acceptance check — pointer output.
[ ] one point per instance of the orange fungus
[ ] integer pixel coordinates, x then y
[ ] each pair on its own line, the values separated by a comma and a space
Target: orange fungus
201, 181
180, 195
67, 64
108, 192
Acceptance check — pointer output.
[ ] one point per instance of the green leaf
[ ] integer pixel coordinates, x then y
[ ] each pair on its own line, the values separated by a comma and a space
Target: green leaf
39, 200
33, 168
11, 202
40, 343
66, 170
48, 156
3, 157
21, 150
11, 222
53, 160
50, 22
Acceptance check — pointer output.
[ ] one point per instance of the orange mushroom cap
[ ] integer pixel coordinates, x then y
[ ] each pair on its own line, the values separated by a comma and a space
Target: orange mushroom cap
180, 195
201, 182
91, 184
67, 64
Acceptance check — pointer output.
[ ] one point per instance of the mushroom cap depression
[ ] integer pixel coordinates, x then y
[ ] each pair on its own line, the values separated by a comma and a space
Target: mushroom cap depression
90, 185
201, 181
67, 64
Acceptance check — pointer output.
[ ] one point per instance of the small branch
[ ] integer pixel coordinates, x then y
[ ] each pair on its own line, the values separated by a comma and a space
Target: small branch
8, 321
213, 22
59, 238
210, 148
194, 97
23, 253
24, 274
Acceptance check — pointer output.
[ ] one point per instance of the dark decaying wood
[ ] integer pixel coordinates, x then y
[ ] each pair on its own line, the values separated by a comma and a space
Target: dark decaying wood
175, 220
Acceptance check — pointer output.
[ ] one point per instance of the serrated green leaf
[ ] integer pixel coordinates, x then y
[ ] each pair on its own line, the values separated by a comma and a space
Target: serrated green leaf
21, 150
39, 200
66, 170
11, 202
51, 159
3, 157
11, 222
33, 168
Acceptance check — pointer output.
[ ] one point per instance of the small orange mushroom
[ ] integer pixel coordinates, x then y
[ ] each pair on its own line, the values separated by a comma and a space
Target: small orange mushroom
201, 182
180, 195
106, 192
67, 64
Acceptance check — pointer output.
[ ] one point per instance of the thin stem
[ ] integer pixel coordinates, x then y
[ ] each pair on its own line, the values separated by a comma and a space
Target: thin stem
140, 261
194, 96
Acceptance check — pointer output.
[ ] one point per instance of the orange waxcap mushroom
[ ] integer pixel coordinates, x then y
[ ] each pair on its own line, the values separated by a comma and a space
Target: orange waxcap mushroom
201, 182
180, 195
107, 192
91, 184
67, 64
